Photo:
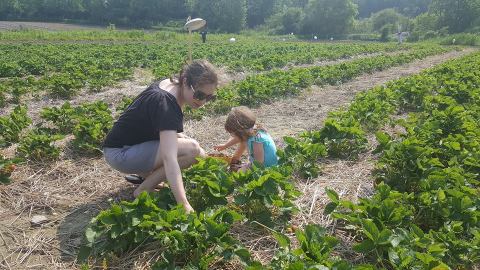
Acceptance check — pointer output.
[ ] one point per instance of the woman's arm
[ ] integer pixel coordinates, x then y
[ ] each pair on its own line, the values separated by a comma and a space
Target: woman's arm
258, 154
168, 153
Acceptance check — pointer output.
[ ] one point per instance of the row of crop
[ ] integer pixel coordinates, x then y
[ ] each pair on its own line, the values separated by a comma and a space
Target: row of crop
28, 59
202, 239
261, 88
62, 70
90, 122
423, 216
424, 213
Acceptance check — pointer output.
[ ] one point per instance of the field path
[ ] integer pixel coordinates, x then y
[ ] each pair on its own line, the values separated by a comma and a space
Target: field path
72, 190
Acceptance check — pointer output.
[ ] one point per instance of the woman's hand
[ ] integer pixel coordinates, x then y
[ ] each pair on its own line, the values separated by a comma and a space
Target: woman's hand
220, 147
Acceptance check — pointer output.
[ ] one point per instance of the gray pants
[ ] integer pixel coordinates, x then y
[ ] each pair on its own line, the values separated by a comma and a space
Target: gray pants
138, 159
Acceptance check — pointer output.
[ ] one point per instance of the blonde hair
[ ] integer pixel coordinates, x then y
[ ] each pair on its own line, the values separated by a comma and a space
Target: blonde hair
240, 121
197, 73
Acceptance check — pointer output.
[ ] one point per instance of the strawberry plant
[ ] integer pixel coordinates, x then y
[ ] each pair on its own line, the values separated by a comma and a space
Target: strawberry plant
194, 239
63, 85
302, 156
62, 117
3, 98
343, 137
123, 105
39, 146
314, 251
425, 216
7, 166
94, 121
208, 183
265, 193
11, 126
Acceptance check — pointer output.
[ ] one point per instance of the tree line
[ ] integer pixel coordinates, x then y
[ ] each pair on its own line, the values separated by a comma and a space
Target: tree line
309, 17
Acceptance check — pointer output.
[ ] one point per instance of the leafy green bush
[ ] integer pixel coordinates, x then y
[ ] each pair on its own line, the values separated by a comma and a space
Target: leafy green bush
302, 155
7, 166
39, 146
265, 193
194, 239
11, 126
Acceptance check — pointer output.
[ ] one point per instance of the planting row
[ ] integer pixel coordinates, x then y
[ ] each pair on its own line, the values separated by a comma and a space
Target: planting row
424, 213
62, 70
261, 88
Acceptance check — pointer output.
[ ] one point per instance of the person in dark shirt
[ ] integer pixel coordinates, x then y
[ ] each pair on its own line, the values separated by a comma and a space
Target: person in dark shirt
147, 139
204, 35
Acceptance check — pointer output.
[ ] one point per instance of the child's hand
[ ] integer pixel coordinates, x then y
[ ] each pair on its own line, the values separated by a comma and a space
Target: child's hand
220, 147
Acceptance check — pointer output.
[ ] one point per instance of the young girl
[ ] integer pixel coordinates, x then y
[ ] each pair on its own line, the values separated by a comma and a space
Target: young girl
243, 131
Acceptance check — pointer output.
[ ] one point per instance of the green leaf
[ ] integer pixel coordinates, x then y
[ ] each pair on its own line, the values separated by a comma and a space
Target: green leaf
329, 208
393, 257
115, 231
418, 232
441, 195
384, 237
90, 234
370, 229
241, 199
83, 254
365, 246
332, 195
243, 254
282, 239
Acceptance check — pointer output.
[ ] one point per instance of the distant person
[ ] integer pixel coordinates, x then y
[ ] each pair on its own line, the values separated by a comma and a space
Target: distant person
147, 139
248, 135
399, 37
204, 36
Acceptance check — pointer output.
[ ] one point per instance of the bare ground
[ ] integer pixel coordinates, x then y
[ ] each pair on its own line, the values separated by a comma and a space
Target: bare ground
71, 191
13, 25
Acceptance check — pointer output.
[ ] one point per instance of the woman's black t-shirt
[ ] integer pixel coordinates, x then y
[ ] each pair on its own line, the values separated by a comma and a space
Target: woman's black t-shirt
152, 111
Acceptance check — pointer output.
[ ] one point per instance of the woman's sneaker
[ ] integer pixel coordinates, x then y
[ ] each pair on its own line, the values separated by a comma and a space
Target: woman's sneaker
134, 179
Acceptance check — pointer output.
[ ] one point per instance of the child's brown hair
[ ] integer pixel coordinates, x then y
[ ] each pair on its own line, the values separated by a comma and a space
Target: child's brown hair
239, 122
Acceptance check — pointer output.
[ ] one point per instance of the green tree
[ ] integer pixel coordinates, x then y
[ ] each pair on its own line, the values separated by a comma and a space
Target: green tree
288, 21
8, 7
389, 16
258, 11
457, 15
425, 22
329, 17
224, 15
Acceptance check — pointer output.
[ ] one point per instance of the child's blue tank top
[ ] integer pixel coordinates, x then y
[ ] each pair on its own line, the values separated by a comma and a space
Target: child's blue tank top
269, 149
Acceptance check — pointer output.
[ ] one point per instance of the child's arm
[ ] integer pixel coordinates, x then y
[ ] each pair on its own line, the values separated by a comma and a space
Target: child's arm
258, 154
232, 141
240, 150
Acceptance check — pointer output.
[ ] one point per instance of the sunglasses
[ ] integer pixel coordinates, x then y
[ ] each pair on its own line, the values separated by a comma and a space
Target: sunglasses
199, 95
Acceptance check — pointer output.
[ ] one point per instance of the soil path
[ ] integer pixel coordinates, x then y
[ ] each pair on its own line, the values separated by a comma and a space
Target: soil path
71, 191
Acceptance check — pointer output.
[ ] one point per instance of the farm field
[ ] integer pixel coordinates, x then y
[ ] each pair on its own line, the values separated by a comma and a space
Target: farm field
379, 156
